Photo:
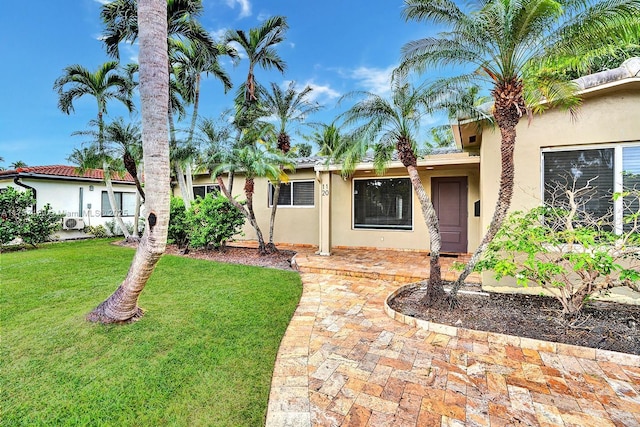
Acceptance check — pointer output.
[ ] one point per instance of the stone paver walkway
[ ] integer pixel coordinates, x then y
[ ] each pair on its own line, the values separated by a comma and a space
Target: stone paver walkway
344, 362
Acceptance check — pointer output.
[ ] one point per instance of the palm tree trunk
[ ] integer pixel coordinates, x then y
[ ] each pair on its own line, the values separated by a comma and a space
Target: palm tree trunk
435, 291
182, 184
509, 108
271, 247
189, 179
122, 305
112, 201
248, 211
136, 216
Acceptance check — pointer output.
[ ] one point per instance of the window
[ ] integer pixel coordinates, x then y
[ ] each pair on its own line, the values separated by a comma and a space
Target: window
203, 190
384, 203
125, 202
608, 170
294, 193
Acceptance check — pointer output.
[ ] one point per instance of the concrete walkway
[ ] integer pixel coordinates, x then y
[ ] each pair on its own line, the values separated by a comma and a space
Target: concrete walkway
344, 362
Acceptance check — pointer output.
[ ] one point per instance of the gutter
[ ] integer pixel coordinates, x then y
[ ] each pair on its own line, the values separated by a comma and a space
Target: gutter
33, 191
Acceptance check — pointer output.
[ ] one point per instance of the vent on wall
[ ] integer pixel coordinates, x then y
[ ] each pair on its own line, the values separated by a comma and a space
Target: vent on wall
72, 223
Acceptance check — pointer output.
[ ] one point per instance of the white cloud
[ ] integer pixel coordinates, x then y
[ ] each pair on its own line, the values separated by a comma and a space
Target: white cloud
322, 91
374, 80
245, 7
103, 1
218, 34
317, 92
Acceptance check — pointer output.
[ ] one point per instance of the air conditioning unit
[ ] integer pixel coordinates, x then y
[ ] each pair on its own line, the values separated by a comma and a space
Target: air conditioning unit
70, 223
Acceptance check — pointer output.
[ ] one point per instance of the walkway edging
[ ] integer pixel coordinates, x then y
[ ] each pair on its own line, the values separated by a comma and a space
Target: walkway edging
522, 342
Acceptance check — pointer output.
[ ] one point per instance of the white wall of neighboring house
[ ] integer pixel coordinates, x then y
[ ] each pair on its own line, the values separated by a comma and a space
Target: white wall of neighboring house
65, 197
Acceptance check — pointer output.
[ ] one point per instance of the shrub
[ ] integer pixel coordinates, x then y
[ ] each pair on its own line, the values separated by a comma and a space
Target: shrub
213, 221
98, 231
564, 251
17, 219
178, 227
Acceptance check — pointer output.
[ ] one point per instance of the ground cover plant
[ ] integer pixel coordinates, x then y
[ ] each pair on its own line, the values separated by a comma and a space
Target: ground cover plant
203, 354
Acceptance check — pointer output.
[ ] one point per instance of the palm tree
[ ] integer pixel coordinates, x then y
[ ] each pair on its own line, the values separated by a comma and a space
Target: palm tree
122, 305
120, 20
17, 164
189, 60
506, 41
290, 108
259, 48
253, 162
329, 137
105, 84
393, 125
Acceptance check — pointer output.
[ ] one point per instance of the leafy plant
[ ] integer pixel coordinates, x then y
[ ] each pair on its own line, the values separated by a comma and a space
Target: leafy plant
178, 226
566, 252
98, 231
213, 221
19, 220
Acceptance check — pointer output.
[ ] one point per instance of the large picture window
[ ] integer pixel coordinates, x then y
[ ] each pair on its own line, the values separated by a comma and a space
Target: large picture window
294, 193
384, 203
607, 170
125, 203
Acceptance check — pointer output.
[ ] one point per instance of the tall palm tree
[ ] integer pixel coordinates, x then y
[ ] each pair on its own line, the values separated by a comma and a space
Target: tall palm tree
189, 61
121, 25
505, 41
259, 47
388, 125
126, 142
291, 108
253, 162
105, 84
122, 305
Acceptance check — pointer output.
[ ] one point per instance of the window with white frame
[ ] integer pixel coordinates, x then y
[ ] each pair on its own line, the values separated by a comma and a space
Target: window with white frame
607, 169
125, 203
383, 203
203, 190
294, 193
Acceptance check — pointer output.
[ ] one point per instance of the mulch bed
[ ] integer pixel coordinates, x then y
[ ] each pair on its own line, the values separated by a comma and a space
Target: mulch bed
603, 325
233, 255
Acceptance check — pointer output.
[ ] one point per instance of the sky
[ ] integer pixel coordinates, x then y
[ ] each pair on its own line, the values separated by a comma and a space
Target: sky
335, 46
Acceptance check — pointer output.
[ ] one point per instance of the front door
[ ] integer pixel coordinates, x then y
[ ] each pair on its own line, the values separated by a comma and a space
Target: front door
450, 201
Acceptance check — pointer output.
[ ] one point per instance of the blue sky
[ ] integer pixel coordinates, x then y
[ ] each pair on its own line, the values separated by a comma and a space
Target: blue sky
336, 46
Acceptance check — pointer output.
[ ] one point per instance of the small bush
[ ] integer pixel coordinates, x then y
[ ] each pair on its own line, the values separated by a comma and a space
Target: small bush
17, 219
213, 221
545, 247
98, 231
178, 227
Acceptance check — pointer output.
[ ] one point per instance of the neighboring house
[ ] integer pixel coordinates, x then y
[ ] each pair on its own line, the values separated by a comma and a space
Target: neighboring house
323, 209
80, 197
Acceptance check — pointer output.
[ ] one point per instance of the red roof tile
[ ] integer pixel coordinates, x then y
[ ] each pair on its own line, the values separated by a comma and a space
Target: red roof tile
68, 171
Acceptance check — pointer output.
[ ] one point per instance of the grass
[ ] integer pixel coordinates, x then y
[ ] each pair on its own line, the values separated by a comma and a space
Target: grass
203, 354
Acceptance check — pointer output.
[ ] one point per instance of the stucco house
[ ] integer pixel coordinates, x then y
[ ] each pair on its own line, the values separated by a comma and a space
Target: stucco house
80, 197
321, 208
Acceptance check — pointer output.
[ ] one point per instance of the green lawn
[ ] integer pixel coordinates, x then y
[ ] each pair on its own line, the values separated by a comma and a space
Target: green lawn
202, 354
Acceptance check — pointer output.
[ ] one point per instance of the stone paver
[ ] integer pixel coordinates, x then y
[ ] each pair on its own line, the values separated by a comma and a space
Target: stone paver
344, 362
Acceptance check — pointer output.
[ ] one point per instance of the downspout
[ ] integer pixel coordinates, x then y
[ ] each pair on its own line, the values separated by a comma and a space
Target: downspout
33, 191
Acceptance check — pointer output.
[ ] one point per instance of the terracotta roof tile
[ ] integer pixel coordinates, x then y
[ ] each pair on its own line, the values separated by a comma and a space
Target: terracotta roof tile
65, 171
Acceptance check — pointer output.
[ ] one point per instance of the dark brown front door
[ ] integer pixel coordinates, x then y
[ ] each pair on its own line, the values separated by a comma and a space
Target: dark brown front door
450, 201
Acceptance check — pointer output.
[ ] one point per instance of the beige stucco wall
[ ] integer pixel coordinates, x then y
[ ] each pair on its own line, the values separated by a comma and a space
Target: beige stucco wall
608, 116
343, 233
297, 224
